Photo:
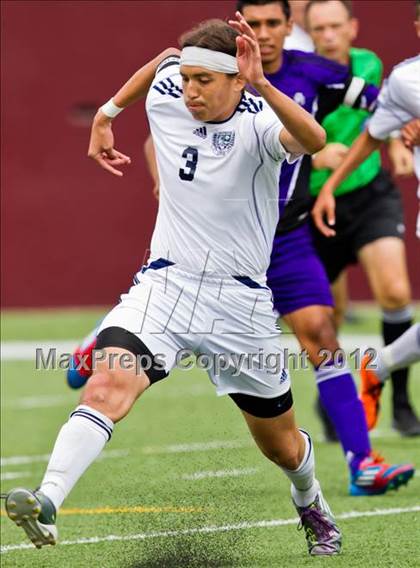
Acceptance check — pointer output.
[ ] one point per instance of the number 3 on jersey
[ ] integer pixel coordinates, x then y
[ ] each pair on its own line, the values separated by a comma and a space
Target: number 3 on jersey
187, 172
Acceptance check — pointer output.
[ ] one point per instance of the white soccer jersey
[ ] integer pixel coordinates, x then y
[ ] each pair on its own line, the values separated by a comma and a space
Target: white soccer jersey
218, 205
399, 99
299, 39
399, 102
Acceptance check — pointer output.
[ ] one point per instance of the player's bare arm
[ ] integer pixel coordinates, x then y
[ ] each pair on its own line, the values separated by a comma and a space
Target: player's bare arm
324, 207
101, 145
150, 155
401, 157
302, 134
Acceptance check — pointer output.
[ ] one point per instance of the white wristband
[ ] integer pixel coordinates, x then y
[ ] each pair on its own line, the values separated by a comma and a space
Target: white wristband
110, 109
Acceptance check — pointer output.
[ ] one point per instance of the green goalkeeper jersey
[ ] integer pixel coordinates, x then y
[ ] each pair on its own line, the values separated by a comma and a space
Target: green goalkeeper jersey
345, 124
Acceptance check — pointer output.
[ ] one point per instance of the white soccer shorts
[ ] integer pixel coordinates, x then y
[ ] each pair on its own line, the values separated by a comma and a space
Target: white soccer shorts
228, 324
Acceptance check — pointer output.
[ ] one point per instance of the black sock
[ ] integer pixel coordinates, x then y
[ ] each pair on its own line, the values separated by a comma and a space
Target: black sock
394, 324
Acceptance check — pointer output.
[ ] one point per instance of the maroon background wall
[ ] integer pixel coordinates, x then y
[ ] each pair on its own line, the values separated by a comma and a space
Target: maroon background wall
71, 233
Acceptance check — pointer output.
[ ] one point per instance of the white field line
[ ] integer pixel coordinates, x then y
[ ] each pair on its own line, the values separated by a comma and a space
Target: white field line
40, 401
212, 529
196, 447
15, 475
26, 350
219, 473
49, 401
20, 460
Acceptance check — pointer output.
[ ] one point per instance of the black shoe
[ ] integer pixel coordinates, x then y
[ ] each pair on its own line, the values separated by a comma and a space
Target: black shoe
328, 427
405, 420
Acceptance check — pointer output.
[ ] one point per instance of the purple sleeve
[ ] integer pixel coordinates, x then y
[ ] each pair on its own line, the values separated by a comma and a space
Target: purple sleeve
339, 86
335, 83
355, 91
369, 98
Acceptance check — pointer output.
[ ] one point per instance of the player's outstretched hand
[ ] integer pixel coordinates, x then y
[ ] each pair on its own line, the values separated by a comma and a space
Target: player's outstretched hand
324, 208
248, 51
101, 146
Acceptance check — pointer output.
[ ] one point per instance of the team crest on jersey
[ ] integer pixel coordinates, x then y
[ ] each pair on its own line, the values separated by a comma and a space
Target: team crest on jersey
223, 142
299, 98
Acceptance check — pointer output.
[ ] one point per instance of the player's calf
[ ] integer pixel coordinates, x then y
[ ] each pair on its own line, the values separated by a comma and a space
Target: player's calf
275, 432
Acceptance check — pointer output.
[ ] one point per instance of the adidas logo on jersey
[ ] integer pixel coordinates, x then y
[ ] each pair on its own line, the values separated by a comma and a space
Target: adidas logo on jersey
201, 132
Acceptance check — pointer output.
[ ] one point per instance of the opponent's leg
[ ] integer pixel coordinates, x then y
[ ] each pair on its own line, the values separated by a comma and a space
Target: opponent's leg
384, 262
401, 353
298, 280
337, 390
315, 330
341, 298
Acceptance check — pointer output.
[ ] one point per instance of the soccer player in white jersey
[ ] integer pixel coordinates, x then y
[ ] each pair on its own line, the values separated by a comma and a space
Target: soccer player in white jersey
399, 108
219, 153
299, 37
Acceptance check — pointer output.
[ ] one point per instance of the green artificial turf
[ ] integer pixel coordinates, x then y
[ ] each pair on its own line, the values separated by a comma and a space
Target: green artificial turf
145, 466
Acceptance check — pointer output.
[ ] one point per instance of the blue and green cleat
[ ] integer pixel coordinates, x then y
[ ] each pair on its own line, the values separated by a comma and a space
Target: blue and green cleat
375, 477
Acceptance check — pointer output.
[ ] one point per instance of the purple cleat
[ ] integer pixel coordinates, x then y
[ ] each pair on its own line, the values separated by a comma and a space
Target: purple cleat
322, 534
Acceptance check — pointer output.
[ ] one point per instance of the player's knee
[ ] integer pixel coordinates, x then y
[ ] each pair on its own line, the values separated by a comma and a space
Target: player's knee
104, 392
321, 331
98, 388
396, 295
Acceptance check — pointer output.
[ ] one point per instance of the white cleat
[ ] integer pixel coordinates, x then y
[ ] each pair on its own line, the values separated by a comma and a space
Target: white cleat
35, 513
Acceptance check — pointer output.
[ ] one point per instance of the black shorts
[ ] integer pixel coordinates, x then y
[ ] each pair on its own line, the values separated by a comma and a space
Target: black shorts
362, 216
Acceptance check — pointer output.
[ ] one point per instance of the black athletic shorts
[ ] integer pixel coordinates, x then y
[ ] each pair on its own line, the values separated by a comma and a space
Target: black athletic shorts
362, 216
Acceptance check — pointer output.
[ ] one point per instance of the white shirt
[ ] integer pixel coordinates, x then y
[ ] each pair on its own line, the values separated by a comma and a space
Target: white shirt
299, 39
399, 102
399, 99
218, 205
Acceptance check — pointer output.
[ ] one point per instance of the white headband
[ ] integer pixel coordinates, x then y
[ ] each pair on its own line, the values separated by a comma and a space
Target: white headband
209, 59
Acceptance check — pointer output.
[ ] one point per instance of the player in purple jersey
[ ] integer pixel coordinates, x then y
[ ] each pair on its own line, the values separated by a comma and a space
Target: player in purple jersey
296, 275
370, 219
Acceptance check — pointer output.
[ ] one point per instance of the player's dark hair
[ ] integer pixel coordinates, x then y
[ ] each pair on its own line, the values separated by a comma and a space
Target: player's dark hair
214, 34
348, 5
417, 7
283, 3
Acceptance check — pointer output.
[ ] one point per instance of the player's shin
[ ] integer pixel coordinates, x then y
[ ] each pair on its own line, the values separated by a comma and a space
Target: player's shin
339, 397
304, 485
402, 352
79, 443
394, 324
